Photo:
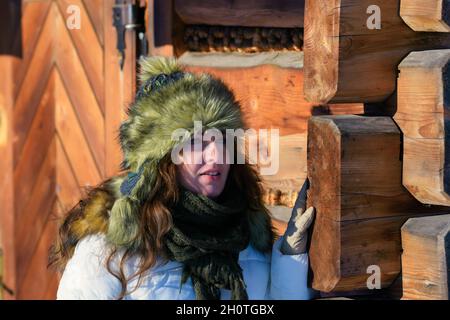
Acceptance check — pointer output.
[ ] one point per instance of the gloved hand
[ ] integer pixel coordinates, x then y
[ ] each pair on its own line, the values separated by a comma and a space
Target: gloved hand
296, 235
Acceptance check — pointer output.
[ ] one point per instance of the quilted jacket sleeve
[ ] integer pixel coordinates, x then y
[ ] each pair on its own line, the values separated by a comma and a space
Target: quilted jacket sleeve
85, 276
288, 276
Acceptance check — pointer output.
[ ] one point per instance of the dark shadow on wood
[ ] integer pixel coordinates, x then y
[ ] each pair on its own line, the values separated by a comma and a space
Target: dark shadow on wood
162, 22
10, 26
386, 108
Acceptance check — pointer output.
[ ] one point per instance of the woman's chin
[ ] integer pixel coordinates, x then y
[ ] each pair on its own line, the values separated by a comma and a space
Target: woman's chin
211, 191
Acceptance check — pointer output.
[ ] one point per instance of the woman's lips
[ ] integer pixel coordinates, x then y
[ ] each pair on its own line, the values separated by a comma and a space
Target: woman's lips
211, 175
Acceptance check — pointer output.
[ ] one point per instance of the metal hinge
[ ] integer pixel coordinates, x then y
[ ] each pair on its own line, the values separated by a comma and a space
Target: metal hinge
3, 287
125, 17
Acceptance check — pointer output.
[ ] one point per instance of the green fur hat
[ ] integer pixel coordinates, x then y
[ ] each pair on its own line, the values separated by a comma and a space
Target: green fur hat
168, 99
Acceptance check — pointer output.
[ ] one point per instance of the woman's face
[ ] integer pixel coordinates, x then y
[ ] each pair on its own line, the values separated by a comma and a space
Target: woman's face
204, 170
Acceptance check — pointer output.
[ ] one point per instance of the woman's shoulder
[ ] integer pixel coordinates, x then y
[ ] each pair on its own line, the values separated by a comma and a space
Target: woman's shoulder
86, 275
91, 251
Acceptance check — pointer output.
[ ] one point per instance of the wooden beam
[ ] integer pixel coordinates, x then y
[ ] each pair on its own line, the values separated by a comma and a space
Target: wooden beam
422, 111
120, 91
251, 13
426, 15
7, 217
346, 61
426, 258
160, 27
354, 169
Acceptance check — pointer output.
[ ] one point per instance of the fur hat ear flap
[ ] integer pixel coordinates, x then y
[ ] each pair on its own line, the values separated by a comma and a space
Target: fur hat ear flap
123, 228
124, 221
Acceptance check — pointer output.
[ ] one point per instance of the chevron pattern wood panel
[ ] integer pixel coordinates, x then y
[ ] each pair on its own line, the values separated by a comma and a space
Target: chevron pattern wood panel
62, 122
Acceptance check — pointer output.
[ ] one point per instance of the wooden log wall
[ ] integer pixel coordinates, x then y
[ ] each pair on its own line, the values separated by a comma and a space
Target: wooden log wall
422, 114
355, 169
346, 61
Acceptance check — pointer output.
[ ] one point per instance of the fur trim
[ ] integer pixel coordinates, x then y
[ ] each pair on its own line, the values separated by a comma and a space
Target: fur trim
95, 216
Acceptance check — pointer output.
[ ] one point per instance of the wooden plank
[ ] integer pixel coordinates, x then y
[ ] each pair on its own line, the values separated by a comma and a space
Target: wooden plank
31, 92
242, 60
426, 258
426, 15
341, 252
87, 46
34, 151
72, 138
95, 10
32, 219
7, 196
354, 169
422, 112
35, 19
118, 93
68, 189
52, 288
113, 94
80, 92
253, 13
345, 61
33, 286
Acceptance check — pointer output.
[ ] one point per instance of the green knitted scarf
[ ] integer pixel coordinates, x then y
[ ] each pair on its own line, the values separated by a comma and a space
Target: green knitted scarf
207, 236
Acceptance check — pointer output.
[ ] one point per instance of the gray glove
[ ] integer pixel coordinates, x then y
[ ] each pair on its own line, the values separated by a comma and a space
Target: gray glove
296, 235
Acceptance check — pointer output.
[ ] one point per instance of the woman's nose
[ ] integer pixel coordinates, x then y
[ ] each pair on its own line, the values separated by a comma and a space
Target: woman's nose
213, 153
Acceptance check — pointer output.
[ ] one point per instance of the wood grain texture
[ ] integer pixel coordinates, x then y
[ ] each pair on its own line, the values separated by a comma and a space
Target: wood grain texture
253, 13
73, 139
38, 141
68, 189
426, 258
7, 218
354, 169
345, 61
33, 286
75, 80
34, 19
87, 46
422, 114
29, 93
426, 15
32, 220
56, 129
94, 9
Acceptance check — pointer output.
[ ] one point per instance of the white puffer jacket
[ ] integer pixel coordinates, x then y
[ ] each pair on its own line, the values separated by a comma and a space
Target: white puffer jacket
275, 276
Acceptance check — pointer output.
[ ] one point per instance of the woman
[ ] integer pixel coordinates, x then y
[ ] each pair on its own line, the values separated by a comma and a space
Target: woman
180, 225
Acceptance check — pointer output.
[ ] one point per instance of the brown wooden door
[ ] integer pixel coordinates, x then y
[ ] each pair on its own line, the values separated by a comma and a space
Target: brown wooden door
62, 99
